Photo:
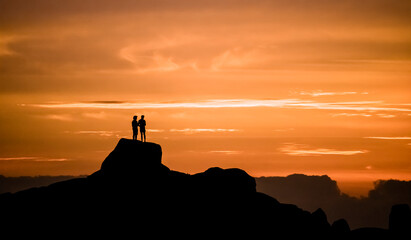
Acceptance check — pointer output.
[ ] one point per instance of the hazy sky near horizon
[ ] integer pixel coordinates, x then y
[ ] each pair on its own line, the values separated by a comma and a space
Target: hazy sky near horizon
273, 87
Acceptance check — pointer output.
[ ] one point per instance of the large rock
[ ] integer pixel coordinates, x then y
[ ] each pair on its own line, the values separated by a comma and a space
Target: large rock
132, 157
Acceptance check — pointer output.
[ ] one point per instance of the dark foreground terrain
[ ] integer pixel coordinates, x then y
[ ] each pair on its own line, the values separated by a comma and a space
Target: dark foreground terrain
133, 193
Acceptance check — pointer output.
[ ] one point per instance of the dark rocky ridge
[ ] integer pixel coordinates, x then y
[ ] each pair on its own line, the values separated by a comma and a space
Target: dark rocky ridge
313, 192
134, 192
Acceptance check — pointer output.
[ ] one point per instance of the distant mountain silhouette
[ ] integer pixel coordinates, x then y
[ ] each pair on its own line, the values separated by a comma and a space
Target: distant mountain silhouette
312, 192
135, 193
15, 184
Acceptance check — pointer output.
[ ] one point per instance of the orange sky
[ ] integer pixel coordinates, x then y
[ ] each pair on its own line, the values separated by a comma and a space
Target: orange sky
272, 87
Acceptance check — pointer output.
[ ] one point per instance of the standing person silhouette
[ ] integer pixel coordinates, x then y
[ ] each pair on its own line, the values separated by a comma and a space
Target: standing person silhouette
134, 124
142, 124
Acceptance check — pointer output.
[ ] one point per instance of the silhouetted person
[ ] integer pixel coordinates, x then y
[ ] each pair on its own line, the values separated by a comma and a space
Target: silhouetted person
142, 124
134, 124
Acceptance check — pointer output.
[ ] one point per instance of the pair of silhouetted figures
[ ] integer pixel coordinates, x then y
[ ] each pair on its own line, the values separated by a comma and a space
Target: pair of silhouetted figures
140, 123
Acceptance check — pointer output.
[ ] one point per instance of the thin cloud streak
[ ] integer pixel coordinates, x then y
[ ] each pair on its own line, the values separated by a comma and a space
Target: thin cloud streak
51, 160
216, 103
390, 138
203, 130
301, 150
370, 106
100, 133
284, 129
226, 152
155, 130
60, 117
34, 159
380, 115
321, 93
352, 115
16, 158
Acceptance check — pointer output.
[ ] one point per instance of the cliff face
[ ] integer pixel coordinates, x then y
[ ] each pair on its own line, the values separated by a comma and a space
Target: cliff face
134, 192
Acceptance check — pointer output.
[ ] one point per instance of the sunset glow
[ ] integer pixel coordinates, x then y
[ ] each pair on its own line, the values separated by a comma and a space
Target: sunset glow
272, 87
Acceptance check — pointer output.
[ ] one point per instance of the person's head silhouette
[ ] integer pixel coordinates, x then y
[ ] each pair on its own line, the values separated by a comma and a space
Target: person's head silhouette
142, 116
135, 117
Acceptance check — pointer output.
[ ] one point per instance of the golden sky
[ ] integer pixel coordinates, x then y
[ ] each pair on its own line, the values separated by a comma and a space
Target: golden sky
272, 87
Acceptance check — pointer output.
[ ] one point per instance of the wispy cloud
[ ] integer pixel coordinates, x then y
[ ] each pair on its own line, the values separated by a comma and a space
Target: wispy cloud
226, 152
383, 115
101, 133
153, 57
283, 129
203, 130
51, 160
213, 103
369, 106
390, 138
16, 158
155, 130
107, 133
304, 150
34, 159
352, 115
96, 115
380, 115
321, 93
217, 152
60, 117
240, 58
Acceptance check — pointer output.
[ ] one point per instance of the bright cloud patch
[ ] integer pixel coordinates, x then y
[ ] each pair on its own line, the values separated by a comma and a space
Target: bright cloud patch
303, 150
226, 152
99, 133
321, 93
203, 130
34, 159
390, 138
370, 106
352, 115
